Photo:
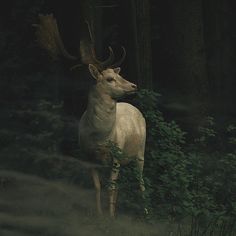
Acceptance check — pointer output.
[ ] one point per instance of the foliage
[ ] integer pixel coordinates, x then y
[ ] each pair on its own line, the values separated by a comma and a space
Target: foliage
197, 179
165, 165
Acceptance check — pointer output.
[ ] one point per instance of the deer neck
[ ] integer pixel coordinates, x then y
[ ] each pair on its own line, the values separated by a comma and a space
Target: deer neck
101, 112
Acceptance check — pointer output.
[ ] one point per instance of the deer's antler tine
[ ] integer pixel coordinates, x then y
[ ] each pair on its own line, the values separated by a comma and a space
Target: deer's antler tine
102, 64
76, 66
110, 59
90, 31
118, 63
105, 63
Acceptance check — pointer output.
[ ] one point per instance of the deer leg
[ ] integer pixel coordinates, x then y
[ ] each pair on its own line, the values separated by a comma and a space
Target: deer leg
97, 186
140, 165
113, 191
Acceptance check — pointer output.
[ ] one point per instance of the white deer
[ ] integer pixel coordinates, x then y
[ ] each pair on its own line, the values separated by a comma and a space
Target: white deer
108, 120
105, 120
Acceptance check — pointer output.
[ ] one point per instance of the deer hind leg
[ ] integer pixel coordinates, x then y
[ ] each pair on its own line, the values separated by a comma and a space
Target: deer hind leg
97, 186
140, 165
113, 191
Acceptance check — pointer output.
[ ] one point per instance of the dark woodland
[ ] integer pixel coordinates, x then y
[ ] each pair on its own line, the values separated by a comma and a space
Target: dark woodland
182, 56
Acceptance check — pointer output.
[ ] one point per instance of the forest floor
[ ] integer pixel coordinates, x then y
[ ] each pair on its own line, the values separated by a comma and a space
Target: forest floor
30, 205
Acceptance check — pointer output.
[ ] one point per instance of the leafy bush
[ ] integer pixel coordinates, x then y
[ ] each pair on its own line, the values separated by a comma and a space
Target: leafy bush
193, 181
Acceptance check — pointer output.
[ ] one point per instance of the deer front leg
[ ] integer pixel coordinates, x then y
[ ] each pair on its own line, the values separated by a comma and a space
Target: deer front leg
113, 187
140, 165
97, 186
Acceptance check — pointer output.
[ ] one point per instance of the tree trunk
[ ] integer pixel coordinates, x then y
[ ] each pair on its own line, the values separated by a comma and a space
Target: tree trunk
218, 16
190, 56
142, 42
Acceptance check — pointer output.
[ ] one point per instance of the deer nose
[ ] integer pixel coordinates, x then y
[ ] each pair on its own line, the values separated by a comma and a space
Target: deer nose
134, 86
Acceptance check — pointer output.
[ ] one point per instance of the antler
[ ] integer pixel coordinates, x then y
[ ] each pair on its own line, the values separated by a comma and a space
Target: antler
49, 38
88, 54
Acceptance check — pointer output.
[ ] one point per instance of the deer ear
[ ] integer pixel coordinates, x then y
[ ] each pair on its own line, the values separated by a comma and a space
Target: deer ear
117, 70
94, 71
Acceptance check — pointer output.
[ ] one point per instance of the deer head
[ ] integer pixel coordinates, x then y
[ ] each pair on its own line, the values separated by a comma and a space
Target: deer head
110, 82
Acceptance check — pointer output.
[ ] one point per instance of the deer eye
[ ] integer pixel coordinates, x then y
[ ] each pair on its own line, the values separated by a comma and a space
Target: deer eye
110, 79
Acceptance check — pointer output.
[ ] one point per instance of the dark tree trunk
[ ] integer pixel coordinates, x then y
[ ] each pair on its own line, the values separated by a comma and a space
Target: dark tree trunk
142, 42
219, 30
190, 47
190, 56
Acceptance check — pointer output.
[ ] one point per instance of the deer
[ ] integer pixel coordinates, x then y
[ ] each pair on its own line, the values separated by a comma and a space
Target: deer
105, 119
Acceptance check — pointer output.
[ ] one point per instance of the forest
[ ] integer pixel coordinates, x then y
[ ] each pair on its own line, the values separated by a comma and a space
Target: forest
181, 55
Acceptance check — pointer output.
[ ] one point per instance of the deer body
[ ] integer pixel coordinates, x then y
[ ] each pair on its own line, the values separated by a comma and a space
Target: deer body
108, 120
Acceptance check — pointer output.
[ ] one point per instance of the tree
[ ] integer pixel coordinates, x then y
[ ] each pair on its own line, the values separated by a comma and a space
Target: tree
190, 56
220, 43
140, 12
